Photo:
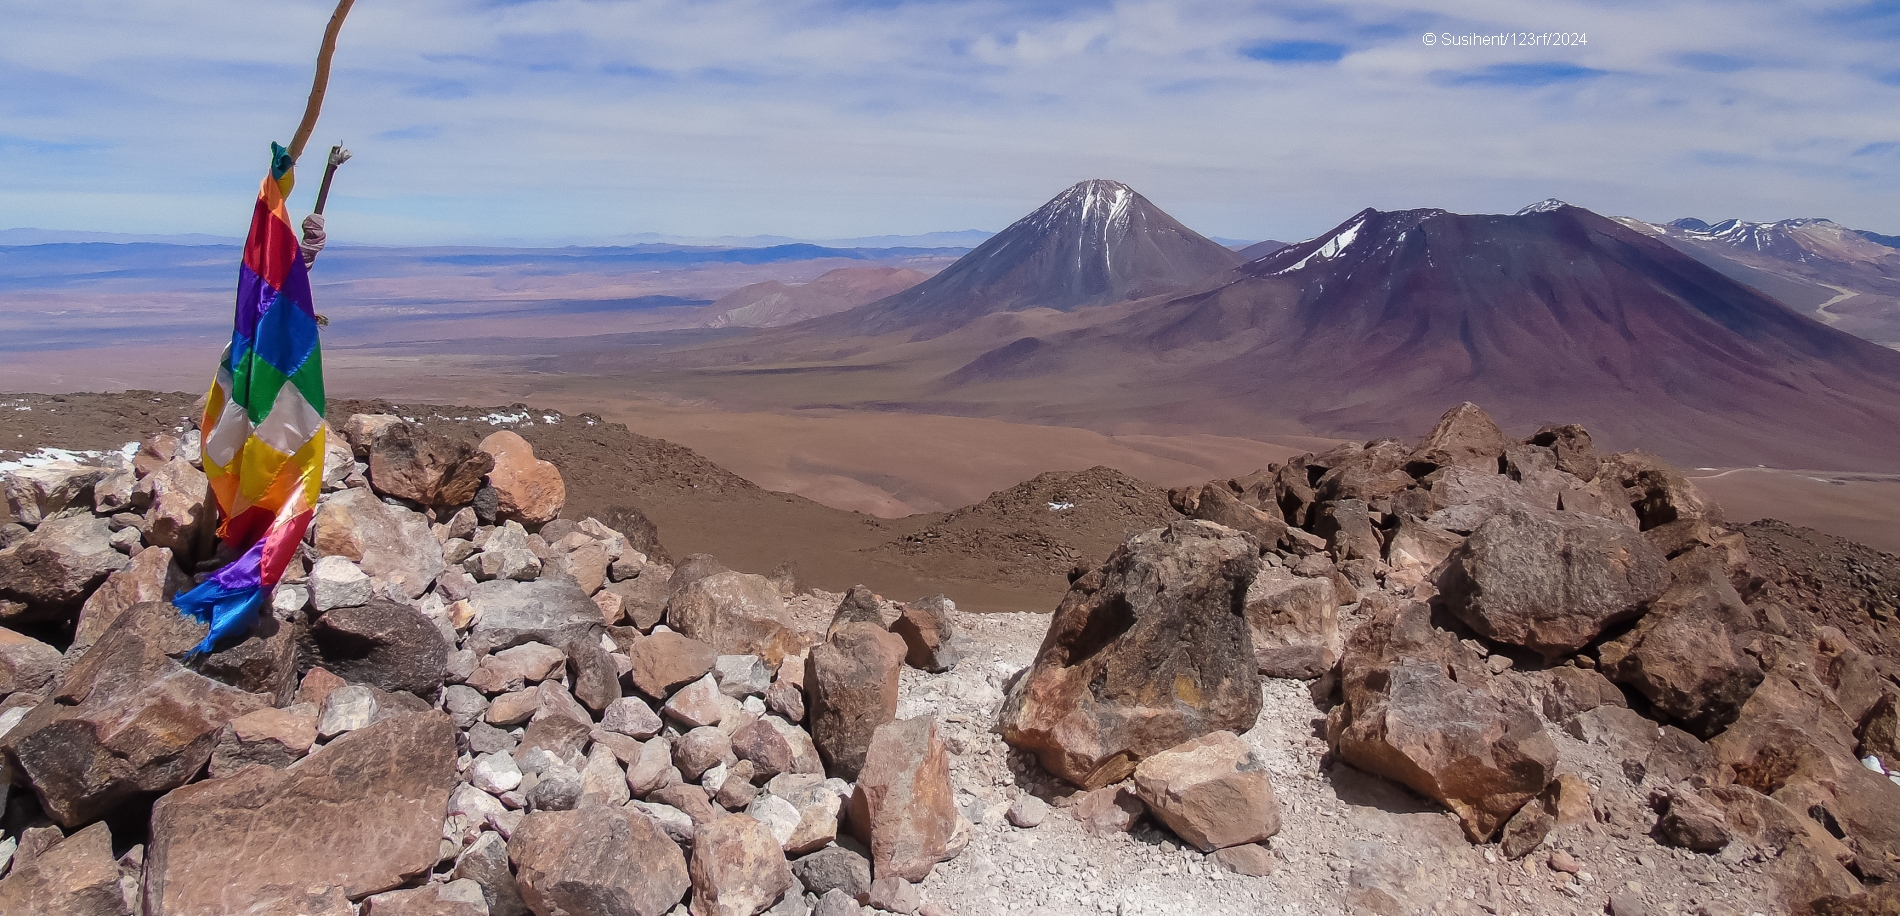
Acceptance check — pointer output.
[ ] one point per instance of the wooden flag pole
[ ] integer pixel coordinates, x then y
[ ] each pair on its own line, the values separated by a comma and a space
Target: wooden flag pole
322, 82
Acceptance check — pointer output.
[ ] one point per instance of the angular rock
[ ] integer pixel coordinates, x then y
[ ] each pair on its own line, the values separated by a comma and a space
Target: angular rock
485, 862
1217, 504
52, 570
267, 737
1416, 544
741, 676
592, 675
1578, 690
1346, 525
460, 897
336, 581
700, 750
77, 877
1880, 732
643, 599
895, 895
126, 720
37, 494
1406, 718
1687, 820
26, 664
181, 513
631, 716
597, 860
1689, 656
151, 576
1248, 859
586, 565
385, 644
1465, 436
1213, 792
1550, 582
852, 682
834, 868
347, 709
410, 461
1146, 652
737, 868
928, 628
1659, 493
665, 661
903, 806
528, 490
553, 612
820, 804
391, 544
372, 800
361, 429
736, 614
1109, 810
698, 704
1294, 624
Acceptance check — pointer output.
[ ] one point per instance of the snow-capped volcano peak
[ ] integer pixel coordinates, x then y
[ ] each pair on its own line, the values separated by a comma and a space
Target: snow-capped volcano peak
1543, 206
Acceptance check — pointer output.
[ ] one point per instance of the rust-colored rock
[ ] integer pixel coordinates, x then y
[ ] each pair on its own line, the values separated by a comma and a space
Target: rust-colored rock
738, 868
1294, 623
1146, 652
52, 570
851, 683
736, 614
1213, 792
126, 720
1407, 718
151, 576
664, 662
1465, 436
77, 877
372, 801
530, 490
597, 860
412, 462
928, 628
904, 806
392, 545
1689, 656
1550, 582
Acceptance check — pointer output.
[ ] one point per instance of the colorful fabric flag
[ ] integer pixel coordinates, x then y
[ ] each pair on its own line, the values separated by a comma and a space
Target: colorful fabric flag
263, 428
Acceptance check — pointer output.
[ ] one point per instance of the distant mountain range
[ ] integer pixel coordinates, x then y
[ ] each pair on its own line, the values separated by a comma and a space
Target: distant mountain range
1100, 310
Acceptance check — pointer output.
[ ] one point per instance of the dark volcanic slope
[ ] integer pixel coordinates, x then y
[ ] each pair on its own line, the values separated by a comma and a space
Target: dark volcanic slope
1096, 243
1539, 316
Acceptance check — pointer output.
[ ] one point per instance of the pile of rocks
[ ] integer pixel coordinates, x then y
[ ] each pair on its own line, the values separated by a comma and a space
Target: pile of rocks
460, 703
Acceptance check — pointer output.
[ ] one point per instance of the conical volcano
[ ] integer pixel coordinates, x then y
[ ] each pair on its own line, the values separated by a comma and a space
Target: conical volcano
1096, 243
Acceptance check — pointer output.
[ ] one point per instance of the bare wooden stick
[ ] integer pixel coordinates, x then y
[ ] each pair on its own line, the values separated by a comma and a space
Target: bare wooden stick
338, 156
322, 82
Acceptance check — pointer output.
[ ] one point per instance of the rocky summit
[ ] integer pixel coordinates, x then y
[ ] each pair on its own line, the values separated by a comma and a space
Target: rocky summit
1470, 674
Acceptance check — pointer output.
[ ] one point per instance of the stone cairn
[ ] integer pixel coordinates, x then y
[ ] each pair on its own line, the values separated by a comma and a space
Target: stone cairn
459, 703
468, 704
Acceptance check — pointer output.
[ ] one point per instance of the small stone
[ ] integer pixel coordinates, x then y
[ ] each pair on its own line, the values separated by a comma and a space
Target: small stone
631, 716
741, 676
347, 709
697, 704
337, 582
1250, 859
495, 773
737, 868
1028, 812
895, 895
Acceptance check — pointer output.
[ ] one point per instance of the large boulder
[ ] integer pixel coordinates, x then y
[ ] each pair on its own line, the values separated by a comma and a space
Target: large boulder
79, 876
553, 612
363, 814
1294, 623
52, 570
127, 720
1689, 655
26, 664
1145, 652
1657, 491
1466, 437
851, 682
904, 806
598, 860
738, 868
1550, 582
1417, 710
1213, 792
385, 644
392, 544
412, 462
736, 614
529, 490
1217, 504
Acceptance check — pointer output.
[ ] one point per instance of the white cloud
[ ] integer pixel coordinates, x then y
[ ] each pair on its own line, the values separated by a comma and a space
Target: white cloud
569, 119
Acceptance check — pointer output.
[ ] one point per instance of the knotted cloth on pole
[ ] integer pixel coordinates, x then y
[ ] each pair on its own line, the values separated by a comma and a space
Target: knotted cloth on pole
263, 428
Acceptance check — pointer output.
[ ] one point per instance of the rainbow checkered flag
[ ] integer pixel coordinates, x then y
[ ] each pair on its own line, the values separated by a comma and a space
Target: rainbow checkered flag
263, 423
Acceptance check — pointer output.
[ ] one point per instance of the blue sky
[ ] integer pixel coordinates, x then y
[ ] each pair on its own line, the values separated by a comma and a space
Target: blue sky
563, 120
